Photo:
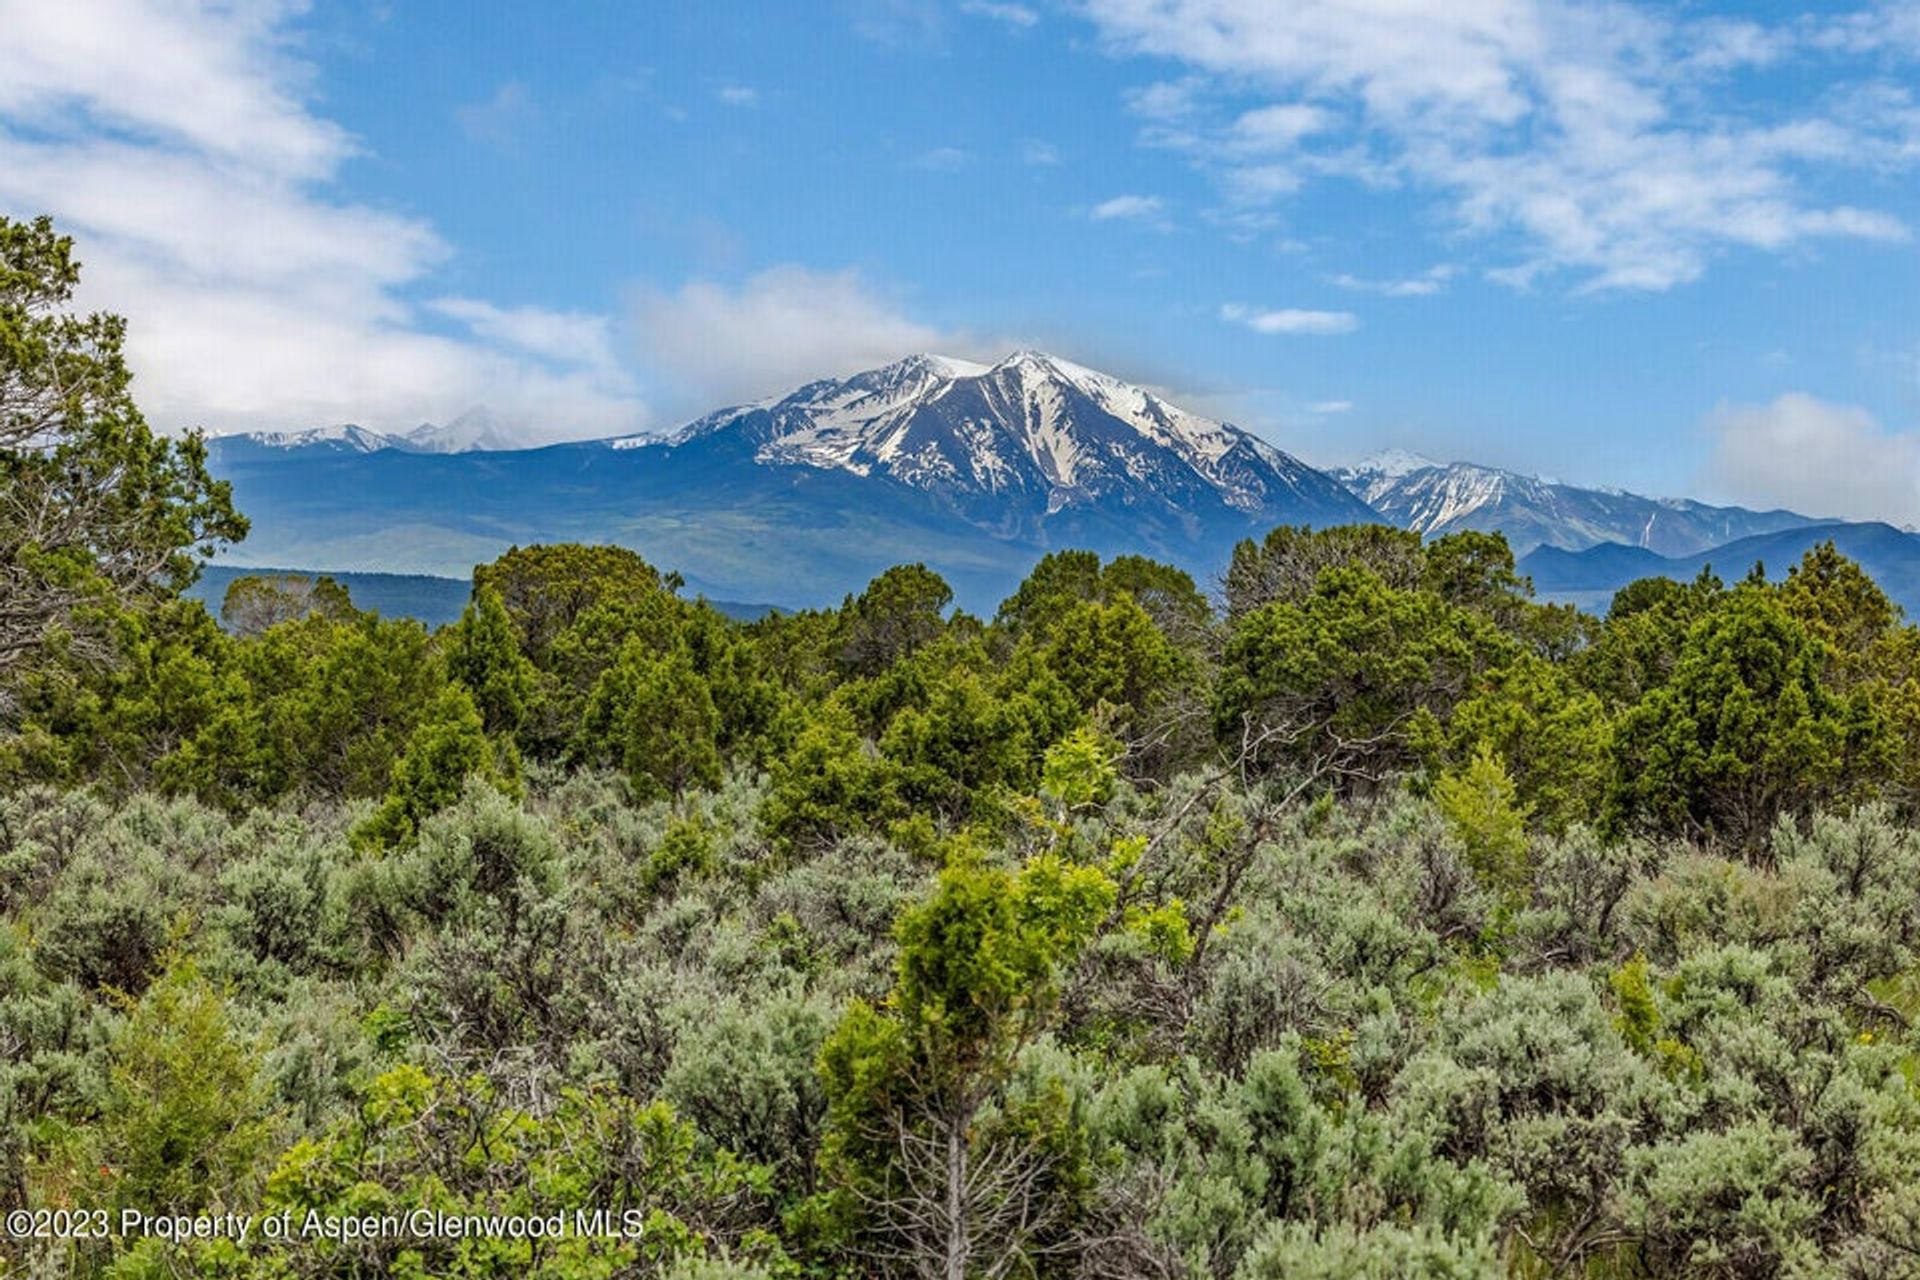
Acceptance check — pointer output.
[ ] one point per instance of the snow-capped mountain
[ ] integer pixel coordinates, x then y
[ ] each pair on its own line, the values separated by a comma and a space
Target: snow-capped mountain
478, 429
973, 469
1023, 440
1532, 511
1388, 464
348, 437
475, 430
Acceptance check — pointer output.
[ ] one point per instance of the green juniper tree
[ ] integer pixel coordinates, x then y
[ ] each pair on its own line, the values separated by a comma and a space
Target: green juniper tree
254, 603
653, 717
485, 657
1744, 730
95, 508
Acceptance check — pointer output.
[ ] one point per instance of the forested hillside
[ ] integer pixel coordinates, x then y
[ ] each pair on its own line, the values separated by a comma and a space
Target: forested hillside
1366, 920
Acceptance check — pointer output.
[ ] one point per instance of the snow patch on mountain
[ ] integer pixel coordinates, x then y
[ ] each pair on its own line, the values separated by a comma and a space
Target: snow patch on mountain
1438, 497
476, 430
347, 437
1532, 511
1388, 464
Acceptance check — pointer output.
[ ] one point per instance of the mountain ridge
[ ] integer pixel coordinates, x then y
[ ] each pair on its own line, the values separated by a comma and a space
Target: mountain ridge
1031, 429
1589, 577
475, 431
1533, 511
976, 469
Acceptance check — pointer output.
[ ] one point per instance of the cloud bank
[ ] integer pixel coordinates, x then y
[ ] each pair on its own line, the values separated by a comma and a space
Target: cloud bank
174, 142
711, 343
1815, 457
1619, 145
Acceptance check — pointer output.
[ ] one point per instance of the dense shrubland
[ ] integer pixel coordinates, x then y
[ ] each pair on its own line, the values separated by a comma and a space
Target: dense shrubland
1379, 922
1370, 920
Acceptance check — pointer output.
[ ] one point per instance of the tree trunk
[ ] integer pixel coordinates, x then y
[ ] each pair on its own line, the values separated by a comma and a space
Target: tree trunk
957, 1243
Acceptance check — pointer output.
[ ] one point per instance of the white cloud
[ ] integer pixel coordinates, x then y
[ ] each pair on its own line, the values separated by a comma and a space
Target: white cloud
1290, 320
1018, 16
943, 160
211, 80
1425, 284
1131, 208
1280, 127
173, 141
1167, 101
1729, 44
1330, 407
1887, 25
1815, 457
717, 343
575, 338
1589, 137
898, 24
738, 95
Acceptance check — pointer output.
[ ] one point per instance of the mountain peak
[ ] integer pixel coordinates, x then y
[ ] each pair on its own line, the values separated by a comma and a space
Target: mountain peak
1048, 365
1026, 356
1393, 463
476, 430
1031, 430
345, 437
945, 366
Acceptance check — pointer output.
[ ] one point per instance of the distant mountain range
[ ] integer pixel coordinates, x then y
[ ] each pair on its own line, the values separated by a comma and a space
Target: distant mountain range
975, 469
1437, 498
434, 601
473, 431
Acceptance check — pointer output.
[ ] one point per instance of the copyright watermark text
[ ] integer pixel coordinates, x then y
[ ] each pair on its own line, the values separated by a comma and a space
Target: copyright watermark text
316, 1224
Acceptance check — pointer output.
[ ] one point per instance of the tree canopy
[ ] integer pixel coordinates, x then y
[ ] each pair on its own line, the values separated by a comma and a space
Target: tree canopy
96, 510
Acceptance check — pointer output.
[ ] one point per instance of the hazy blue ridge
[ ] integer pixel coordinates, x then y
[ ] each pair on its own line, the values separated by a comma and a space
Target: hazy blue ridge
1589, 577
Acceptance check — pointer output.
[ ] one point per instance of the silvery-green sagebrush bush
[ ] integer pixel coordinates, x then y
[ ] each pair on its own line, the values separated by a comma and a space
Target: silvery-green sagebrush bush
1660, 1061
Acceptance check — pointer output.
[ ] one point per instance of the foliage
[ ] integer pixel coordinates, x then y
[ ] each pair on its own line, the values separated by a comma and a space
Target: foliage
95, 509
898, 613
1340, 679
259, 601
184, 1122
485, 656
923, 1170
1743, 730
449, 746
653, 715
1483, 807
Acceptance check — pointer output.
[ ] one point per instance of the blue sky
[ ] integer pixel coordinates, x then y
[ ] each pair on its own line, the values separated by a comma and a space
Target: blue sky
1666, 247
